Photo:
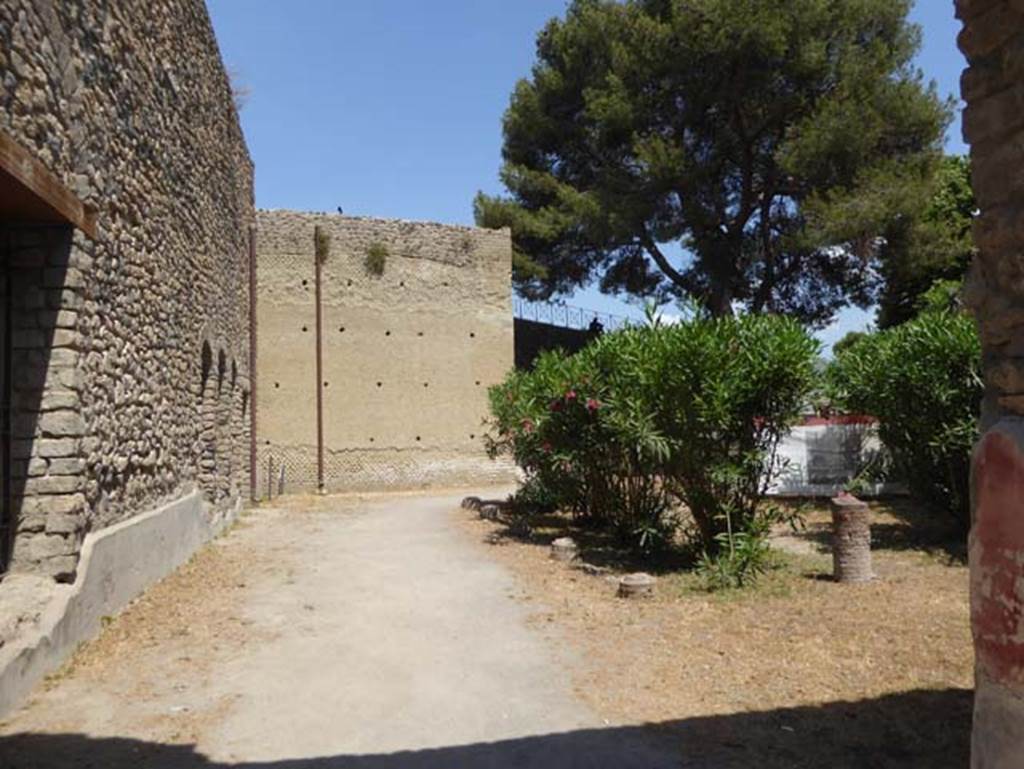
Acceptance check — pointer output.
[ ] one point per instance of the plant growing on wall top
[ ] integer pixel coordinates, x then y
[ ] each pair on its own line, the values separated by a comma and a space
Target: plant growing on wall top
376, 258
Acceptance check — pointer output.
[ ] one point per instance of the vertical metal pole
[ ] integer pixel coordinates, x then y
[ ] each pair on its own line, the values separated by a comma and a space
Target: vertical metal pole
253, 491
317, 259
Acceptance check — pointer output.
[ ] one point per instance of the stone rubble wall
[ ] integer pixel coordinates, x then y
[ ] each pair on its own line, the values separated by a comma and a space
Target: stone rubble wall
408, 354
993, 87
131, 349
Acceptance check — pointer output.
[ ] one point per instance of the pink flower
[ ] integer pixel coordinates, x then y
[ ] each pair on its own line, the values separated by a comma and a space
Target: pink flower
528, 426
571, 395
592, 405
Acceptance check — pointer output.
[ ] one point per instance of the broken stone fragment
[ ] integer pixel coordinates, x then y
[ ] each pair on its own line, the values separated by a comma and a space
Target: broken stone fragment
593, 570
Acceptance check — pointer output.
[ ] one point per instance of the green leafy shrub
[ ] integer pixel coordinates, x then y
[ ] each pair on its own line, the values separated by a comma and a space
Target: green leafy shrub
741, 558
644, 417
724, 392
922, 380
588, 444
376, 258
531, 500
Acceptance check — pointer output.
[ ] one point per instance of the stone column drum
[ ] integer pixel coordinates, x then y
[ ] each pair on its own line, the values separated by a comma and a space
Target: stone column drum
851, 540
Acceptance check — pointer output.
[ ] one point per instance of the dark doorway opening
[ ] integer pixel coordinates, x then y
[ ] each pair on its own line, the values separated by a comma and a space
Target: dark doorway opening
7, 522
37, 214
33, 259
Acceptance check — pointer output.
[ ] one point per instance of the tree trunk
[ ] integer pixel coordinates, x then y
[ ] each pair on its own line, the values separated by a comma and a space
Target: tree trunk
720, 305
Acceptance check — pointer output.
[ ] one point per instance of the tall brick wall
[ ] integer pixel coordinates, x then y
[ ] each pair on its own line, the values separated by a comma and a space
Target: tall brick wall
131, 349
408, 354
993, 87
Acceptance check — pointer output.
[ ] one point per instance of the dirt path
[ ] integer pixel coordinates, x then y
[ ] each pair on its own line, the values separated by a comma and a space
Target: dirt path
332, 633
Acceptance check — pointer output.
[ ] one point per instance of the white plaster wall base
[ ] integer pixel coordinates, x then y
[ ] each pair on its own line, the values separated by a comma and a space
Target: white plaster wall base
117, 564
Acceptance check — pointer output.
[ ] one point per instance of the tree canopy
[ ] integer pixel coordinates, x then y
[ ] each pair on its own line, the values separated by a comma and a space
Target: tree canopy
925, 256
732, 152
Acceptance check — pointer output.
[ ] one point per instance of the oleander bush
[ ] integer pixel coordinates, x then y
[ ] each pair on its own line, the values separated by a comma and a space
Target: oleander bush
646, 418
922, 381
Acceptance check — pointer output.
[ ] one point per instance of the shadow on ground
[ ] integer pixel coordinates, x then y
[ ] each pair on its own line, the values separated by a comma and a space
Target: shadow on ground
928, 728
915, 528
598, 546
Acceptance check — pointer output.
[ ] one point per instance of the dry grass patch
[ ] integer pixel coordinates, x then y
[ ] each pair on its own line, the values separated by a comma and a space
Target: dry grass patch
798, 671
176, 634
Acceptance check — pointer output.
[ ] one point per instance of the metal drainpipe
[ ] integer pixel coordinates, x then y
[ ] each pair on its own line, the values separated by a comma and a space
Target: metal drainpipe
317, 258
253, 489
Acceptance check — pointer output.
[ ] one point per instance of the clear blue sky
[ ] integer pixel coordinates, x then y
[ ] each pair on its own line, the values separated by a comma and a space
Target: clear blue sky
394, 109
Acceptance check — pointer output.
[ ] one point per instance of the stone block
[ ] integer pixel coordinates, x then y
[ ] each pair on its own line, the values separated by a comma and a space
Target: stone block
63, 523
991, 26
54, 503
980, 80
60, 358
59, 400
39, 547
30, 523
1014, 404
58, 277
71, 378
67, 466
994, 116
61, 424
64, 319
999, 173
1006, 375
53, 484
56, 447
68, 299
65, 337
999, 228
968, 9
63, 568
